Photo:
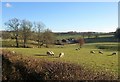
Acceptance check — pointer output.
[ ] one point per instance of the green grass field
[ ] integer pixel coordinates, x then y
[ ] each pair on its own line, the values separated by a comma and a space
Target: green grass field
66, 36
97, 61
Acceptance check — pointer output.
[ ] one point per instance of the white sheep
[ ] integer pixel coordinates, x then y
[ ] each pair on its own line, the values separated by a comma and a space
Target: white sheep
77, 49
92, 52
114, 53
100, 52
50, 53
61, 54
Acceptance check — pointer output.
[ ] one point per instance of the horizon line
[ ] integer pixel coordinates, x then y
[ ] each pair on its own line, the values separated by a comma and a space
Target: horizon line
74, 31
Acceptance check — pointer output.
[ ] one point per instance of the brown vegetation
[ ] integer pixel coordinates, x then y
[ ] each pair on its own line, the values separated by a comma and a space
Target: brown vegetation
16, 67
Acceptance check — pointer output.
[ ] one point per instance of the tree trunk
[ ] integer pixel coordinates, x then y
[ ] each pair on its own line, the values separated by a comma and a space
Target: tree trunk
24, 43
17, 44
38, 44
16, 37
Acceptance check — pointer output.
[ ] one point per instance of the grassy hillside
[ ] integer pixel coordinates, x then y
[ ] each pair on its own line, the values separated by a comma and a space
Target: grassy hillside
101, 64
83, 56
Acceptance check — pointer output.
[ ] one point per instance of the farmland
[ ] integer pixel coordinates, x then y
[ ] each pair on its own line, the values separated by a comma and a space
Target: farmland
95, 61
99, 63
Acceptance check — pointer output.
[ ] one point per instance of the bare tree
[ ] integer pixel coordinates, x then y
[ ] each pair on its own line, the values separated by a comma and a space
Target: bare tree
14, 25
48, 37
81, 42
25, 31
39, 28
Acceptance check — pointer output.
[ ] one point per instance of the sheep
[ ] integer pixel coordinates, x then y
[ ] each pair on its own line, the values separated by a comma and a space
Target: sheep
114, 53
61, 54
50, 53
92, 52
77, 49
100, 52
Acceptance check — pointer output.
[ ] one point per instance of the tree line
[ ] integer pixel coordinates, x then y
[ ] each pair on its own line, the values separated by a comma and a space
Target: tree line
26, 30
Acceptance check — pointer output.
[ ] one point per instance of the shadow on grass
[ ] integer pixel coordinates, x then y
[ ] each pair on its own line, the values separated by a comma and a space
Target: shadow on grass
110, 55
40, 55
46, 55
55, 57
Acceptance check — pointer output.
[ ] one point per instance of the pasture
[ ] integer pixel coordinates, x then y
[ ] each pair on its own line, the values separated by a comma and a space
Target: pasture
97, 62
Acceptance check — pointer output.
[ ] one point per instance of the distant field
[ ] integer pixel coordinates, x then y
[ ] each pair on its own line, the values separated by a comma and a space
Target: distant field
98, 62
66, 36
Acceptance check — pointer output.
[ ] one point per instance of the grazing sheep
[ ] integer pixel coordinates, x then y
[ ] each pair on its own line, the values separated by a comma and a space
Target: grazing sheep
77, 49
50, 53
114, 53
100, 52
61, 54
92, 52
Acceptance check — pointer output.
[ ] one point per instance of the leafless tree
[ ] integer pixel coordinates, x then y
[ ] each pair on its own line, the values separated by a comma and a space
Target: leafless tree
81, 42
48, 37
39, 26
26, 26
13, 25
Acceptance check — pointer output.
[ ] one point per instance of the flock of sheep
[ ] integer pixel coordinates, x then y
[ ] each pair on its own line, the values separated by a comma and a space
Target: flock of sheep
51, 53
100, 52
